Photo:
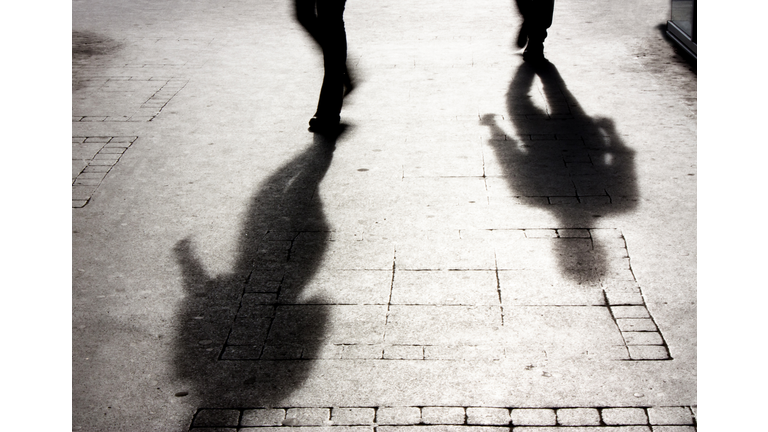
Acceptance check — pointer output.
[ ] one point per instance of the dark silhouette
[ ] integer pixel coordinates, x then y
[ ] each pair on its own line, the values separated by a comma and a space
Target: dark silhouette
227, 322
577, 167
324, 21
537, 18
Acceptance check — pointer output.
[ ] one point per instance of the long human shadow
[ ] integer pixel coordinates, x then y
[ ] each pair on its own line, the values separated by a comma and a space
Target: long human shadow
560, 159
229, 350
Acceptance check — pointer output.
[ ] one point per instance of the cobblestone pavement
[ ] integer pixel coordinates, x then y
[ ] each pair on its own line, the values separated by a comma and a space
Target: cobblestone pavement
490, 244
623, 419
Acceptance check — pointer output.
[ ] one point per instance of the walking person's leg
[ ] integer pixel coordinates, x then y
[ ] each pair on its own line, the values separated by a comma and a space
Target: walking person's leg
537, 18
333, 40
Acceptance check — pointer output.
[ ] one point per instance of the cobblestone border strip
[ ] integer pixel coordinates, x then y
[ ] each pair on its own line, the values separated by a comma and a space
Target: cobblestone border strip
380, 419
641, 335
153, 106
88, 180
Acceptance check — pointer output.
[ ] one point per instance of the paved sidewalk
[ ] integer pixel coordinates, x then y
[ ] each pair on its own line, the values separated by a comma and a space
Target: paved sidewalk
489, 245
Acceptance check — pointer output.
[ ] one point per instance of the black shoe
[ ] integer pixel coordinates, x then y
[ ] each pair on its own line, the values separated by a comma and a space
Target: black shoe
325, 127
348, 85
522, 37
534, 53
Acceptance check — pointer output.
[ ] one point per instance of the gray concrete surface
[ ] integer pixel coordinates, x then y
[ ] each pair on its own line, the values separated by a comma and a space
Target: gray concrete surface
487, 245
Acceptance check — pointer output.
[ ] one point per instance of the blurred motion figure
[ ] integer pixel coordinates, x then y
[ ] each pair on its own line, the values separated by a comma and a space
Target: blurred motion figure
537, 18
324, 21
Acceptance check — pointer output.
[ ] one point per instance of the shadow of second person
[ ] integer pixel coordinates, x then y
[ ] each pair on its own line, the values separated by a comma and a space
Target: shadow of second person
230, 349
574, 166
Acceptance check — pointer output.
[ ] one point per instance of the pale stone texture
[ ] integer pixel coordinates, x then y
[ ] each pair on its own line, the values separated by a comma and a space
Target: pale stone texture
578, 417
352, 416
533, 417
488, 416
442, 415
670, 416
398, 415
263, 417
624, 416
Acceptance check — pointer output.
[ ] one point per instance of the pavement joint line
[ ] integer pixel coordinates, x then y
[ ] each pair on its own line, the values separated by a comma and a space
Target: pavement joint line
641, 338
159, 99
581, 417
102, 160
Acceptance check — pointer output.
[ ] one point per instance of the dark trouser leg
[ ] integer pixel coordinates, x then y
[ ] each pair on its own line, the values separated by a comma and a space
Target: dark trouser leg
333, 39
537, 18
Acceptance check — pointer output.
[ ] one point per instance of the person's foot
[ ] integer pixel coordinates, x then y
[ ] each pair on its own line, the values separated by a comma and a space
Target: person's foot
534, 52
323, 126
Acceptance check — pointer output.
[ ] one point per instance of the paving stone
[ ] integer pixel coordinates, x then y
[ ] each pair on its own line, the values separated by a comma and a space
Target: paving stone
250, 328
87, 182
102, 162
595, 200
98, 139
282, 352
338, 286
214, 429
404, 352
578, 417
623, 298
540, 233
670, 416
635, 324
307, 416
533, 417
123, 139
674, 429
91, 175
362, 352
308, 429
583, 429
82, 192
531, 288
570, 330
442, 415
445, 287
455, 255
630, 312
242, 353
352, 416
488, 416
441, 428
115, 151
443, 325
648, 352
643, 338
352, 255
216, 417
564, 200
573, 233
342, 324
624, 416
97, 168
398, 416
263, 417
463, 352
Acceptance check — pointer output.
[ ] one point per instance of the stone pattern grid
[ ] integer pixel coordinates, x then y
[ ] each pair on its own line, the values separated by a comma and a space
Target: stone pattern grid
92, 159
154, 94
618, 419
263, 325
